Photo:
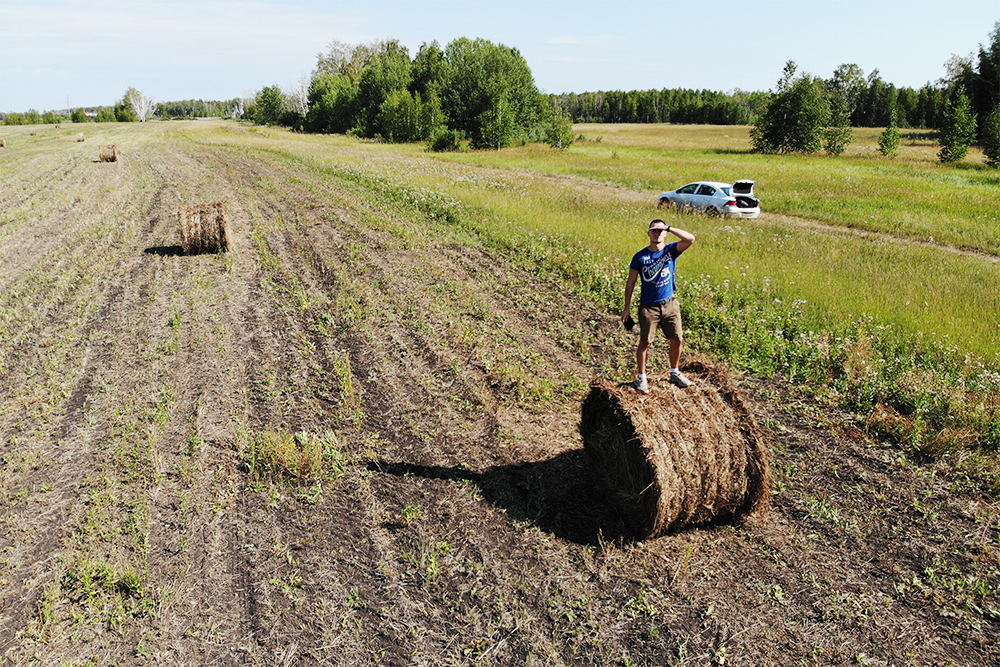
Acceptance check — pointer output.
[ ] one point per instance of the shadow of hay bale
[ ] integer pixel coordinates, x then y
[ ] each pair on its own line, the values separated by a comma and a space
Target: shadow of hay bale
204, 228
556, 495
676, 458
165, 251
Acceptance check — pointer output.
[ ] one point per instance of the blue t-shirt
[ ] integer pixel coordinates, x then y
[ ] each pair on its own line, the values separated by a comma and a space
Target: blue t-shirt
656, 273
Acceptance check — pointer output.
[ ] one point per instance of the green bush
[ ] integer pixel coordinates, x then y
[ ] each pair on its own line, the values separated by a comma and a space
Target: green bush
447, 141
559, 130
269, 107
795, 119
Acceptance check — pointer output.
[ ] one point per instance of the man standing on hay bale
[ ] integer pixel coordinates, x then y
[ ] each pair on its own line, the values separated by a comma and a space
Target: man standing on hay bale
658, 308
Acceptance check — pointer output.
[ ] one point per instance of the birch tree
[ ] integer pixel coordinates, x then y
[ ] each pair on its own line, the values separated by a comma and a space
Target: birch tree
299, 97
142, 105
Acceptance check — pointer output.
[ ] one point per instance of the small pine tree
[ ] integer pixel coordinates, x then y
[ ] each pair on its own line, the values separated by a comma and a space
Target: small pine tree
888, 141
958, 130
991, 139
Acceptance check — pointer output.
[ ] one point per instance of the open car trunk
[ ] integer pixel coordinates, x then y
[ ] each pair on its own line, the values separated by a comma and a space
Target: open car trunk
743, 192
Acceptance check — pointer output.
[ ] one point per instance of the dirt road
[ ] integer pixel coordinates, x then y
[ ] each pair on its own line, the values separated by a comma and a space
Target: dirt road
144, 520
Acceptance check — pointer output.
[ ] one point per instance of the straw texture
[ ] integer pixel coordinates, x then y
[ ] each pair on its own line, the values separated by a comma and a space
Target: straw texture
676, 458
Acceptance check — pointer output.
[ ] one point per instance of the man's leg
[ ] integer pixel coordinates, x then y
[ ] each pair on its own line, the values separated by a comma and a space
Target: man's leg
675, 352
641, 354
674, 331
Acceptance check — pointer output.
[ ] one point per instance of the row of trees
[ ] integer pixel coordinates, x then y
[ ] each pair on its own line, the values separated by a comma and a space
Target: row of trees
134, 106
471, 90
806, 113
853, 100
872, 100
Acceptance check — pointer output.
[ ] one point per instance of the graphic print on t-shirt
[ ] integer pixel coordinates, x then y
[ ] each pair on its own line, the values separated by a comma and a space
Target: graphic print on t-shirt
658, 270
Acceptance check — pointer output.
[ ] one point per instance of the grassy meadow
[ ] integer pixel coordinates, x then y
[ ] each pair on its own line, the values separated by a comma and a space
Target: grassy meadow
923, 286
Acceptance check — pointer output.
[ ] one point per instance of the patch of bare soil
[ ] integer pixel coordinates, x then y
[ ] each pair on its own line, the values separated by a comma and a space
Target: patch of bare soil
456, 522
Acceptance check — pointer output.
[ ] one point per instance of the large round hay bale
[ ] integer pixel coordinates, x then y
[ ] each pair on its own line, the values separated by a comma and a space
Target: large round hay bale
676, 458
204, 228
109, 153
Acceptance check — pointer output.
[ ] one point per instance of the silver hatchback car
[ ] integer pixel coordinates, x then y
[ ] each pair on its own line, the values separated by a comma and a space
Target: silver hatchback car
732, 200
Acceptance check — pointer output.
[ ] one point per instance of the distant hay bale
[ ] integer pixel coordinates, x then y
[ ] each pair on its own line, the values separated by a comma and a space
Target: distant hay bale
676, 458
80, 137
3, 143
204, 228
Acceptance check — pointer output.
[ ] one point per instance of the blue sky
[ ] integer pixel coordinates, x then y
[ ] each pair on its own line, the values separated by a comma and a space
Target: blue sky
57, 54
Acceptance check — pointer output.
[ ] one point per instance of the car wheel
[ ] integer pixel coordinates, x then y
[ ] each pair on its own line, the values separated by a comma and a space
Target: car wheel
665, 203
712, 212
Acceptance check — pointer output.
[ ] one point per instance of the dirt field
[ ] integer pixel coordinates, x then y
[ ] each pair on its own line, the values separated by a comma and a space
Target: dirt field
145, 397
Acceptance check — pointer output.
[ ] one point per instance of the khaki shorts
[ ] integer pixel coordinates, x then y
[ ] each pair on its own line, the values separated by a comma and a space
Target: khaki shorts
665, 315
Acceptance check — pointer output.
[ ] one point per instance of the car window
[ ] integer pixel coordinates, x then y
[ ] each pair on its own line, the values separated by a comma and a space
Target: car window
727, 191
688, 189
706, 190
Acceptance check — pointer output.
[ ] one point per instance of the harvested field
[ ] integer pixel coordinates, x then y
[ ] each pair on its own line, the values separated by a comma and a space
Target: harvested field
357, 442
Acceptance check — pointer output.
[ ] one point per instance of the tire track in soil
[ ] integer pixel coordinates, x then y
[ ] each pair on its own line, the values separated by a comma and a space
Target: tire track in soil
106, 362
71, 448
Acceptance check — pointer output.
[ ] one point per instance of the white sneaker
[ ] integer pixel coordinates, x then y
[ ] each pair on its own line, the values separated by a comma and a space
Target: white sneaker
642, 386
679, 380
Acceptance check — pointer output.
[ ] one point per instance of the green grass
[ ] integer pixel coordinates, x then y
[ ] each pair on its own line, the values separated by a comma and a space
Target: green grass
911, 196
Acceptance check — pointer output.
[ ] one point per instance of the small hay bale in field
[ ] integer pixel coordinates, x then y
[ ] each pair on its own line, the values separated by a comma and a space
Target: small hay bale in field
80, 137
3, 143
676, 458
204, 228
109, 153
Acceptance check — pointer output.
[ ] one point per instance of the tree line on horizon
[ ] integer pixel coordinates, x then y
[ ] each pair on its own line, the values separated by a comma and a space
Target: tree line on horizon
122, 111
483, 94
